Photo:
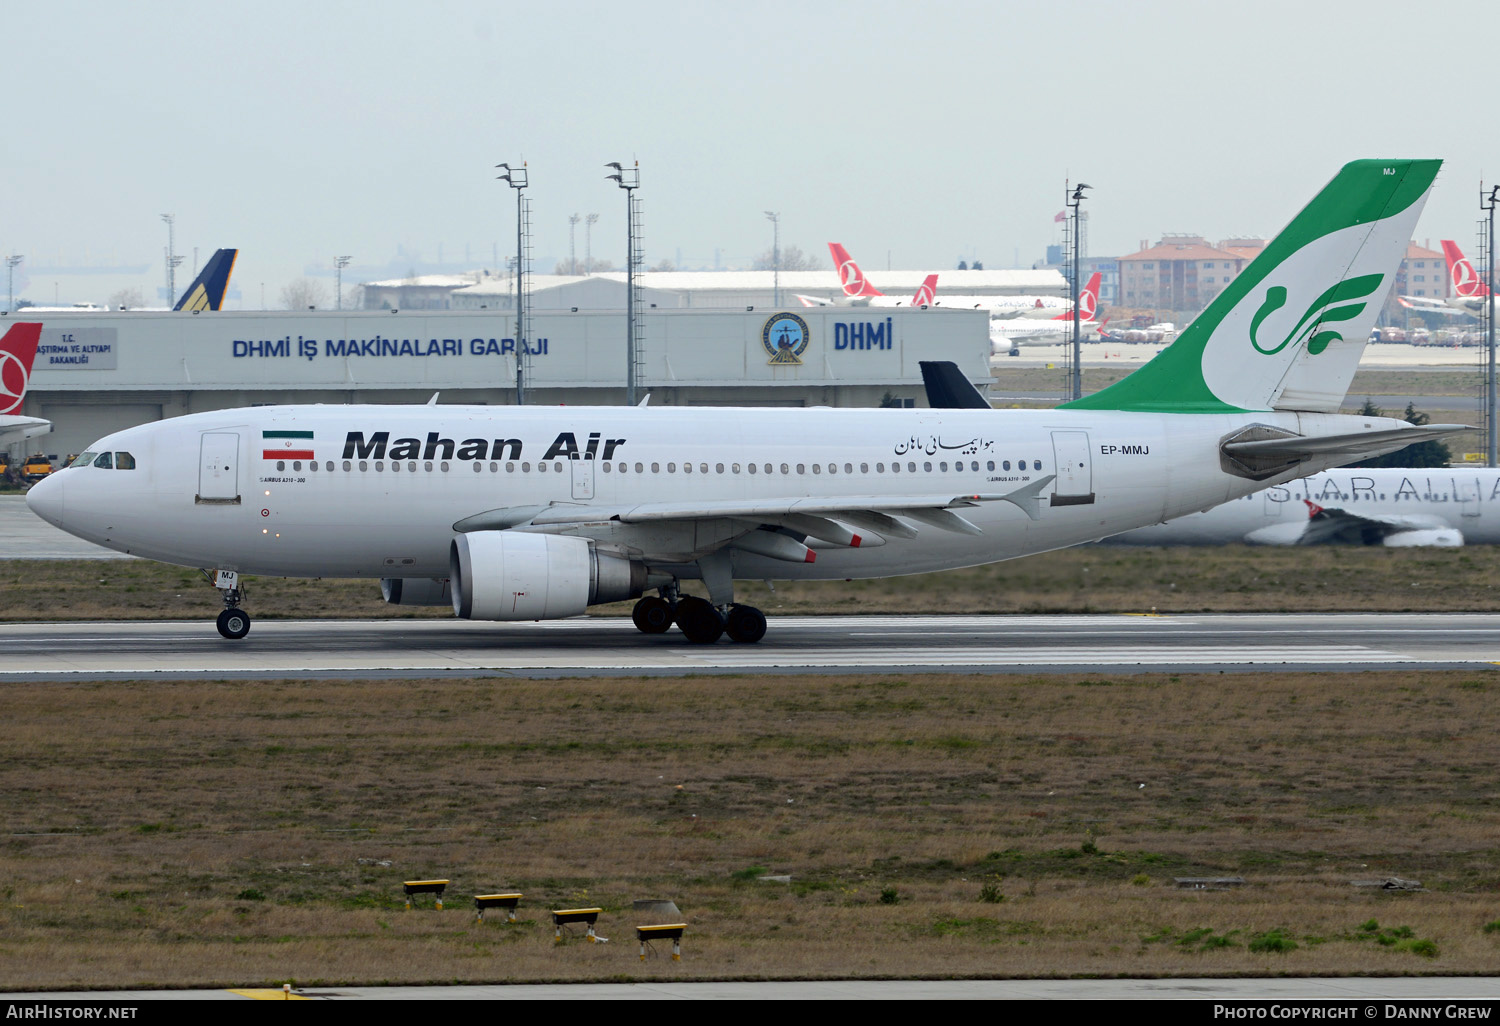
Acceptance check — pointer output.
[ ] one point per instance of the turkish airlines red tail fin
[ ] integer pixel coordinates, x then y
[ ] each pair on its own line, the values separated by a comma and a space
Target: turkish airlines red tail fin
1088, 300
850, 276
925, 292
17, 353
1461, 273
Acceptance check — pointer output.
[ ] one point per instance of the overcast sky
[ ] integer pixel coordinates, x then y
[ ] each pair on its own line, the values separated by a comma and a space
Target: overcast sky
929, 132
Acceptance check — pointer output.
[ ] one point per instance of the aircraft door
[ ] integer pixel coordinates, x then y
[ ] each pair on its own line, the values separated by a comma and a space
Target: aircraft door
218, 468
583, 478
1467, 495
1276, 500
1075, 472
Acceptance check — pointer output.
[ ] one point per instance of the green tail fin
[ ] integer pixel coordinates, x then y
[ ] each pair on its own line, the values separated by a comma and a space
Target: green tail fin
1287, 333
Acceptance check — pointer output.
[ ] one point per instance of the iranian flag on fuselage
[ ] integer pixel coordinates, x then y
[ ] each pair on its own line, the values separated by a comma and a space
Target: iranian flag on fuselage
287, 445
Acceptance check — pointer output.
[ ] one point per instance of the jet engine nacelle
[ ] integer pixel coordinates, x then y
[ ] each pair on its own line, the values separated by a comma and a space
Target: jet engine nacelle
505, 575
416, 591
1442, 537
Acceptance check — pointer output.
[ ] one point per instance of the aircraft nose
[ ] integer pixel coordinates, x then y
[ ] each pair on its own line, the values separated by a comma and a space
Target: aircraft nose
45, 499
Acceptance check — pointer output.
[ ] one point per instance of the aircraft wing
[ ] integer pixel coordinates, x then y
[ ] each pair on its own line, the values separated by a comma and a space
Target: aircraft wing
1329, 525
15, 429
893, 515
813, 300
1425, 304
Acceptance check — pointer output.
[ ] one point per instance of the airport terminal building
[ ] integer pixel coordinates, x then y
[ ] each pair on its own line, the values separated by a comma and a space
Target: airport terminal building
101, 372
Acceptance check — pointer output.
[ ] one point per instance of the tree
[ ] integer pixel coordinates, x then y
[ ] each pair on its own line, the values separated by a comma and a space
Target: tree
664, 265
126, 299
304, 294
594, 266
792, 259
1431, 453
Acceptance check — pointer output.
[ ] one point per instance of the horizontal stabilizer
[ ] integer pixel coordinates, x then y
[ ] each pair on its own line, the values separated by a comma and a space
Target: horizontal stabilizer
1356, 445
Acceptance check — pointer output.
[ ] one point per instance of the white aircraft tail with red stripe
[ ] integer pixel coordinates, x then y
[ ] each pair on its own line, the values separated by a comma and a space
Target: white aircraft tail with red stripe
1088, 301
850, 276
17, 353
1466, 283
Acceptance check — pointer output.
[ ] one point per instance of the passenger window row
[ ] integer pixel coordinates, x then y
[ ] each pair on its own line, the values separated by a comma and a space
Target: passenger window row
410, 467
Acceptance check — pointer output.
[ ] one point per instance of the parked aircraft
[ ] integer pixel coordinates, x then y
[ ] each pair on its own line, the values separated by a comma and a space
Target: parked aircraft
1006, 336
1370, 506
1469, 293
17, 353
206, 292
859, 292
530, 513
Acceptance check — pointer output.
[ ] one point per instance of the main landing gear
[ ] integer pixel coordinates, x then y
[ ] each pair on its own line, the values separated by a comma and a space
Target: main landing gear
233, 622
701, 621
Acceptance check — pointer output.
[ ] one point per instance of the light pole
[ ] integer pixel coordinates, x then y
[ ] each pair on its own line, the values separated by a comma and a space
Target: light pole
339, 263
516, 178
573, 220
629, 179
1487, 203
588, 243
1075, 201
172, 260
11, 263
774, 216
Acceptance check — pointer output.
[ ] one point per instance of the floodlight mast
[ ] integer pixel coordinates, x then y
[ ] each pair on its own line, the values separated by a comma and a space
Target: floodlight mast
629, 179
339, 263
774, 216
11, 262
172, 260
1076, 201
516, 178
1492, 450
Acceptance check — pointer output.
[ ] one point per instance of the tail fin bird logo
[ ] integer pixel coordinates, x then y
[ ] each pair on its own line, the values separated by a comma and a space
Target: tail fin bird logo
1338, 303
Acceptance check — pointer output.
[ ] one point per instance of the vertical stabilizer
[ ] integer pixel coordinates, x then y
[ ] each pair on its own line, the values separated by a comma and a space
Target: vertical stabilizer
207, 290
850, 276
1461, 273
17, 353
1287, 333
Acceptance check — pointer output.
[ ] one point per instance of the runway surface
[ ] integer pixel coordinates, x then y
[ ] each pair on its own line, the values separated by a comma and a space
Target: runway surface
854, 644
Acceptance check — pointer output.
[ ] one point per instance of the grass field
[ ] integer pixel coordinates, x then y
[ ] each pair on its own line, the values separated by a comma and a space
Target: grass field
222, 833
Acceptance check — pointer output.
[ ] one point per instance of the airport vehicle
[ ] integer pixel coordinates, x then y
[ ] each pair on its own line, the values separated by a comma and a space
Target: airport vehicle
17, 354
1397, 508
530, 513
35, 468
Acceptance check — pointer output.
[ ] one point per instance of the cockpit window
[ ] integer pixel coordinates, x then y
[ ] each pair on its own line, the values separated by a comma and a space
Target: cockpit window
83, 459
124, 461
104, 460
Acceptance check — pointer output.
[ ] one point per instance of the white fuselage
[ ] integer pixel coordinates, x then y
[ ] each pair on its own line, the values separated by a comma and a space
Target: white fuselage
1465, 499
222, 489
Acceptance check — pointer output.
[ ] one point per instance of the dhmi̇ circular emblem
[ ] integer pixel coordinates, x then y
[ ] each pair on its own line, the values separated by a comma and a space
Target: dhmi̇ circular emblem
785, 336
